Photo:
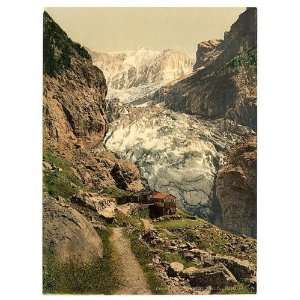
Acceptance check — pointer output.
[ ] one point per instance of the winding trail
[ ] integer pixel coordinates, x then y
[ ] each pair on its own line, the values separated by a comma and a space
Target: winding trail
147, 224
131, 276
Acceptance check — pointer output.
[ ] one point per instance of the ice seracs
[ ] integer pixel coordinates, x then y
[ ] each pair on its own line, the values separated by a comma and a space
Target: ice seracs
175, 152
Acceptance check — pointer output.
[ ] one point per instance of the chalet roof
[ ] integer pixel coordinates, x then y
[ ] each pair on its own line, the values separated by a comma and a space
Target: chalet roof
162, 196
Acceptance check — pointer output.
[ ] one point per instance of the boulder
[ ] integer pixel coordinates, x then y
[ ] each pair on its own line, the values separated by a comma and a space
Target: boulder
47, 166
217, 276
198, 252
188, 272
67, 234
127, 176
241, 269
188, 255
150, 235
105, 206
128, 208
175, 268
205, 257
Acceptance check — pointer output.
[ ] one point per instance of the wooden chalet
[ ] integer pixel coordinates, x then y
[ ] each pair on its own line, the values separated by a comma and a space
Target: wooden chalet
161, 204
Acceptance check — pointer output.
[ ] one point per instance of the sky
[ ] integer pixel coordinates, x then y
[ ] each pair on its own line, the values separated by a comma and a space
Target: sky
119, 29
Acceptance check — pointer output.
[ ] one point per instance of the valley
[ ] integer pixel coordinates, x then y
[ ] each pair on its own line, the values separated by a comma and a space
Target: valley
122, 126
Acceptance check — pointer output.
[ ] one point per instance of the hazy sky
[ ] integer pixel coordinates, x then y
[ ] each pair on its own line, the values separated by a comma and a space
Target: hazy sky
117, 29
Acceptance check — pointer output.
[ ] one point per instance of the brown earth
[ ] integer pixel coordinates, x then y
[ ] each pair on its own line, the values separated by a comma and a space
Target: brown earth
129, 271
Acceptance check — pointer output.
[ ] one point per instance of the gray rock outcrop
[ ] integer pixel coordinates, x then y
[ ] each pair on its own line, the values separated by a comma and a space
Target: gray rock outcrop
217, 276
67, 234
236, 189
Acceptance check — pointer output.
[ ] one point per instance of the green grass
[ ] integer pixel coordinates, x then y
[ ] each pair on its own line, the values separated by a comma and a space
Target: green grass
181, 223
171, 257
59, 182
74, 278
236, 289
205, 235
125, 221
182, 213
115, 192
142, 213
144, 257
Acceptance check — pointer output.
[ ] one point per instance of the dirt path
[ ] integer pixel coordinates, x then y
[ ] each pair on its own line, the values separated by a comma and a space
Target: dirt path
147, 224
130, 273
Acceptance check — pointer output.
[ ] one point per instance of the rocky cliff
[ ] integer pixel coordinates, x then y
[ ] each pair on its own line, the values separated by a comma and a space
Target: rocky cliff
207, 52
135, 74
134, 68
74, 124
236, 189
74, 110
224, 83
74, 91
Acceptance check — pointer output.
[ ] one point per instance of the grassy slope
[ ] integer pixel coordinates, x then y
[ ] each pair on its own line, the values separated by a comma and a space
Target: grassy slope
212, 238
207, 236
98, 278
61, 181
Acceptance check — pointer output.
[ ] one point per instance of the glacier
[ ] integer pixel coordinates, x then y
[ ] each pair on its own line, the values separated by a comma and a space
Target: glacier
176, 153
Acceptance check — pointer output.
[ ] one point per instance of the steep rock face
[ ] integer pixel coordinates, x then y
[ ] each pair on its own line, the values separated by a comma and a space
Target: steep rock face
224, 86
99, 169
74, 110
236, 189
134, 68
207, 52
176, 153
74, 91
67, 234
132, 75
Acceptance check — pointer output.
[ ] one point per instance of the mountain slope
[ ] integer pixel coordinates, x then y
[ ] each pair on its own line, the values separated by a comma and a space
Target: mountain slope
74, 111
74, 91
132, 75
135, 68
224, 86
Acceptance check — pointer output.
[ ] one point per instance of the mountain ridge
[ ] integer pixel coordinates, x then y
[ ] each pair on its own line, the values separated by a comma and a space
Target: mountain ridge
226, 85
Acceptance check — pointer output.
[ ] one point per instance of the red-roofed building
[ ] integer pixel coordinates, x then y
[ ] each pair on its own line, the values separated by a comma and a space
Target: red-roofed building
162, 204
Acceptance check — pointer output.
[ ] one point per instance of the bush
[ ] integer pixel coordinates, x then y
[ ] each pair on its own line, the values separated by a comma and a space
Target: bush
246, 59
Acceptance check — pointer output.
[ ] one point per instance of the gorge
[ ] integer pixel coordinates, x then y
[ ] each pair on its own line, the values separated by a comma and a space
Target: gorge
179, 143
118, 125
